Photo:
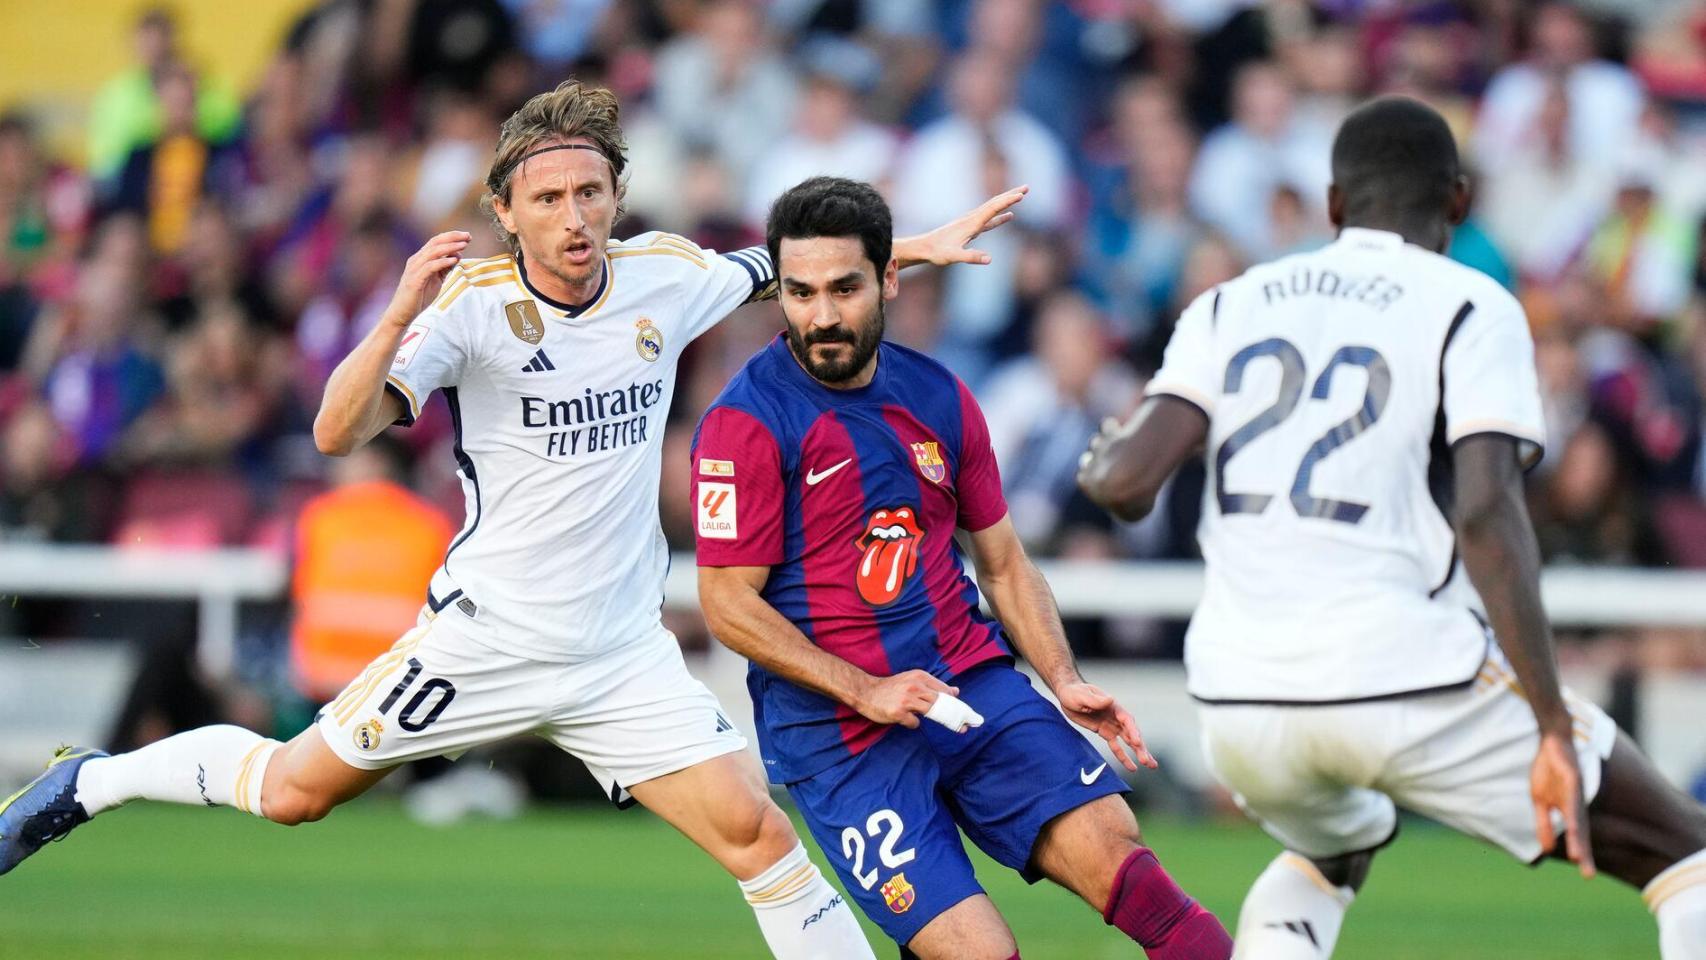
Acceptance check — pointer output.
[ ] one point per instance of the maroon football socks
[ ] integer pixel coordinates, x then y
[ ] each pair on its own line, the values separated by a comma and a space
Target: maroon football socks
1150, 908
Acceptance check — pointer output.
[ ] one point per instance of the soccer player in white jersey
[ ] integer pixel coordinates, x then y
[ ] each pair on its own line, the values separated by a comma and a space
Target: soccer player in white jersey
1370, 634
558, 363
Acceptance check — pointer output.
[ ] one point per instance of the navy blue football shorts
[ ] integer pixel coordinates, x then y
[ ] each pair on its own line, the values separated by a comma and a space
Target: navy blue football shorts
889, 818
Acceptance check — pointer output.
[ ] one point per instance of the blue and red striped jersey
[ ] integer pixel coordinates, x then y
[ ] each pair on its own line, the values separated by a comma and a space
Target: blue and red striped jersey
851, 498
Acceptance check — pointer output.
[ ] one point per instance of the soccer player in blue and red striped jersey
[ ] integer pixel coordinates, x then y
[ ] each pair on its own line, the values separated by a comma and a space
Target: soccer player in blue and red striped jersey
830, 480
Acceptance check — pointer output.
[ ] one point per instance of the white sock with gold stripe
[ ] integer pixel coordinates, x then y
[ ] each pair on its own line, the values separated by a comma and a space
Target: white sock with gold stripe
1292, 912
214, 766
801, 916
1677, 898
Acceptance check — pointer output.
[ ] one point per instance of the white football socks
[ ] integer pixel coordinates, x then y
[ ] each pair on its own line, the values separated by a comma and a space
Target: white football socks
801, 916
214, 766
1677, 898
1292, 912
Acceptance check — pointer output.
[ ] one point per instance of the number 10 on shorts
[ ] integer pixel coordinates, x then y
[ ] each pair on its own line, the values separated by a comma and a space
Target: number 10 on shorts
884, 823
407, 717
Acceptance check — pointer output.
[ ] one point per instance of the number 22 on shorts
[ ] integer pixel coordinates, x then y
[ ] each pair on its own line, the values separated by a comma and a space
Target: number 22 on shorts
885, 823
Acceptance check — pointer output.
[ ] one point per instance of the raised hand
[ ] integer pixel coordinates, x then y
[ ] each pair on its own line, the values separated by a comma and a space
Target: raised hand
948, 243
1555, 783
1093, 708
423, 276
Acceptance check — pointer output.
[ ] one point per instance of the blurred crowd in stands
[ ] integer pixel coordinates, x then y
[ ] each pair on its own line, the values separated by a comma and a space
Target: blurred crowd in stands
172, 301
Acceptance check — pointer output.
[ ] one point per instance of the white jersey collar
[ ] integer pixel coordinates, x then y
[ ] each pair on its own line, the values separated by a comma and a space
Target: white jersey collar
1365, 239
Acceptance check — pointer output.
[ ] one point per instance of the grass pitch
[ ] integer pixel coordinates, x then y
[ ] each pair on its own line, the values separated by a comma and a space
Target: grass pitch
176, 882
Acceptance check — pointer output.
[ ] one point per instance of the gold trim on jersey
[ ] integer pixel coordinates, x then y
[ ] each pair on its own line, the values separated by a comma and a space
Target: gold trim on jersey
450, 294
672, 240
414, 404
609, 285
662, 251
349, 703
489, 272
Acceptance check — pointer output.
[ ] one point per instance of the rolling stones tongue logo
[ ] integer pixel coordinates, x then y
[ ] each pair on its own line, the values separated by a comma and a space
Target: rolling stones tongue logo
890, 543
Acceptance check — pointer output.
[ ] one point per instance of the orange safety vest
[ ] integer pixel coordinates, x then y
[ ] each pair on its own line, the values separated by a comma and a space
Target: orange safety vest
364, 556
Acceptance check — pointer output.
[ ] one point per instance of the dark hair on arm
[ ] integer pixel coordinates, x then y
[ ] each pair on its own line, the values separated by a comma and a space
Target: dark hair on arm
832, 207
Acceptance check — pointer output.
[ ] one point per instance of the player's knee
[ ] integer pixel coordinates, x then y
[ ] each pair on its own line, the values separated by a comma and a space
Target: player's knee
772, 836
292, 806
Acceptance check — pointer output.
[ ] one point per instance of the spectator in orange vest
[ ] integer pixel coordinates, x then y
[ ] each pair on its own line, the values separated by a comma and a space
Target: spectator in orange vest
365, 551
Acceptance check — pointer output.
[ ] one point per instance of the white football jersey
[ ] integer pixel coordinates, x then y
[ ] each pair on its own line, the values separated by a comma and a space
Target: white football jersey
1335, 382
559, 415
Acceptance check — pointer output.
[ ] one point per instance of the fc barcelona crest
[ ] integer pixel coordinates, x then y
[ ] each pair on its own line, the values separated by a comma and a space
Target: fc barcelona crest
524, 321
899, 894
929, 460
649, 342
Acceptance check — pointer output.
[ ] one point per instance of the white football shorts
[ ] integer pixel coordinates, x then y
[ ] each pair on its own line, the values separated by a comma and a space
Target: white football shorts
631, 714
1326, 780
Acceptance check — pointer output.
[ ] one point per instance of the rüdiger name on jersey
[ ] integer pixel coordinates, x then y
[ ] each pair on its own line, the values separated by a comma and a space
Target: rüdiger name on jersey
559, 416
1334, 393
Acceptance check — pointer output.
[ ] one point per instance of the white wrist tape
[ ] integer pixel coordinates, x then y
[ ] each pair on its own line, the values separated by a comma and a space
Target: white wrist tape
952, 712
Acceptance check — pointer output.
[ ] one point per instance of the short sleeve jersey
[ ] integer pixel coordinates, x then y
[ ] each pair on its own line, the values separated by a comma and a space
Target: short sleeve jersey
851, 498
1335, 383
558, 413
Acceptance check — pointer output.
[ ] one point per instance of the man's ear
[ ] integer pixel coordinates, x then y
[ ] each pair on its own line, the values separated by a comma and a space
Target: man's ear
505, 215
1462, 197
891, 279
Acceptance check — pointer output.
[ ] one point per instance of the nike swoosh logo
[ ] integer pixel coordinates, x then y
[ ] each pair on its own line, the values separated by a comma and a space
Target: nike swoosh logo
1089, 778
813, 478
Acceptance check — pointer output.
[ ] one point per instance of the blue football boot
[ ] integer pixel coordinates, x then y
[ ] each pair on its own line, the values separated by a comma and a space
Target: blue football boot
46, 809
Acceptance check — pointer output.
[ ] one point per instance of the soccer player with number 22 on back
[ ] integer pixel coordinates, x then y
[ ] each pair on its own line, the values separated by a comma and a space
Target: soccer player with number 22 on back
830, 480
1371, 635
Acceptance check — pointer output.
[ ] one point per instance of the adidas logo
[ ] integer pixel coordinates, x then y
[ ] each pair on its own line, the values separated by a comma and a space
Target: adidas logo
540, 362
1302, 928
723, 724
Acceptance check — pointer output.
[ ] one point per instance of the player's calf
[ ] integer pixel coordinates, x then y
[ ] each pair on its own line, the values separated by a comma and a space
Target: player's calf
1095, 851
723, 805
217, 766
1294, 910
969, 930
1147, 906
1650, 835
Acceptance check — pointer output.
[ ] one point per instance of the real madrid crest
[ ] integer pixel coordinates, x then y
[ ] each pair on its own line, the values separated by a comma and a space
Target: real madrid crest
367, 735
649, 342
524, 321
929, 460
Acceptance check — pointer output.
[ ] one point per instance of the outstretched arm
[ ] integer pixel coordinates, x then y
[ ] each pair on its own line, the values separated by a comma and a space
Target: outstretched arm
1026, 607
1127, 463
949, 243
1499, 551
747, 624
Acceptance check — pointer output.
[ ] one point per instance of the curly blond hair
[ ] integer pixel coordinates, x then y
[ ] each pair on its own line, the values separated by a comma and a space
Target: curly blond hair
573, 109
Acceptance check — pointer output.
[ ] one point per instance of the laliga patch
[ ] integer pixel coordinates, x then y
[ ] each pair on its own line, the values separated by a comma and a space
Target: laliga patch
524, 322
367, 735
717, 511
411, 345
717, 468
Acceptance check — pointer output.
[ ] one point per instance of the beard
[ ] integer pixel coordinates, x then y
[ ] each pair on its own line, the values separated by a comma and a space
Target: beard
864, 343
